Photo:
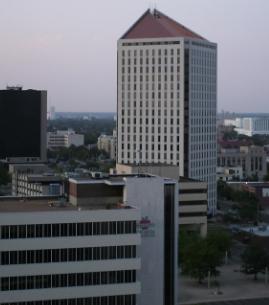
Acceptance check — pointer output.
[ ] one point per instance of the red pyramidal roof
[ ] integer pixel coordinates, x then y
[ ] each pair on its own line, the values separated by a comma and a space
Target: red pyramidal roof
157, 25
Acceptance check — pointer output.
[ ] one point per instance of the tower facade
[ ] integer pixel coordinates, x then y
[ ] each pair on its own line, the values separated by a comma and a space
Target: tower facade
167, 97
23, 124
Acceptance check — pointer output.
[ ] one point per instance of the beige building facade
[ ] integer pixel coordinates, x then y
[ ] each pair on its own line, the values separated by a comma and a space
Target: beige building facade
251, 158
167, 96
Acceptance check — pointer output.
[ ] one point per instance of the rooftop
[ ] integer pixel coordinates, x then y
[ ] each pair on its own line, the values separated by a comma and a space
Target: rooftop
44, 178
148, 164
110, 180
154, 24
32, 204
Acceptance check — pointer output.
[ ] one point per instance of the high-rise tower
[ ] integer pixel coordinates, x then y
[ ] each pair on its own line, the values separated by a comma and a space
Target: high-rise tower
23, 125
167, 96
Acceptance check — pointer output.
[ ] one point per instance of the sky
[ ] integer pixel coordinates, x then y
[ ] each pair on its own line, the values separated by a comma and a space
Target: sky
68, 47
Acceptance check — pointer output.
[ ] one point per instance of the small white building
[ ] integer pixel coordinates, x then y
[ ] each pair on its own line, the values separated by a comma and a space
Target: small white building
64, 138
250, 126
108, 143
229, 173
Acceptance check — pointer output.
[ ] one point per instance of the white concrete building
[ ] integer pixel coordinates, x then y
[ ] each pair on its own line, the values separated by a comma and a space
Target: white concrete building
64, 138
250, 126
35, 180
58, 254
108, 144
157, 199
38, 185
166, 108
230, 173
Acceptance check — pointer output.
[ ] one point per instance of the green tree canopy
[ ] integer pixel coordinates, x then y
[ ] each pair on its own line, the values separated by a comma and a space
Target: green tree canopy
198, 256
221, 240
4, 176
254, 260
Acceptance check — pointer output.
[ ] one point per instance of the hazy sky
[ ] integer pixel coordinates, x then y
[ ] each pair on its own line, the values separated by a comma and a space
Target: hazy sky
68, 47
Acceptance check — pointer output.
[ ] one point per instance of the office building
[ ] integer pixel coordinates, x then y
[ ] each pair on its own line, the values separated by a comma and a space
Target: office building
251, 158
54, 253
64, 138
23, 116
34, 180
52, 114
45, 184
250, 126
167, 99
158, 226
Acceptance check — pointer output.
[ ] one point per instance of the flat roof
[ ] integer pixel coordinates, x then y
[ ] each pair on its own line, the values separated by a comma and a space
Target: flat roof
49, 205
110, 180
148, 164
186, 179
250, 183
43, 178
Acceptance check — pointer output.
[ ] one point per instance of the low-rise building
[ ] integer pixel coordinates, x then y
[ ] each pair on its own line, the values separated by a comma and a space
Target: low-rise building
251, 158
39, 185
229, 173
108, 143
35, 180
64, 138
250, 126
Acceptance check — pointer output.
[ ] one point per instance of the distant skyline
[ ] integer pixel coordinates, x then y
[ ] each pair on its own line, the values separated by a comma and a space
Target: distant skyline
69, 48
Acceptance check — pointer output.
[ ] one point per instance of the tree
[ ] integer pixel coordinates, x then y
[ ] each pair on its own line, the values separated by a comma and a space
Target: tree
230, 135
221, 240
246, 202
200, 258
266, 177
4, 176
254, 260
185, 240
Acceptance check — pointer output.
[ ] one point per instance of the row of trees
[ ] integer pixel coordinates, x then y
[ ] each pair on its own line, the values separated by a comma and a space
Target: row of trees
90, 128
4, 176
246, 203
80, 153
73, 157
259, 140
199, 257
255, 260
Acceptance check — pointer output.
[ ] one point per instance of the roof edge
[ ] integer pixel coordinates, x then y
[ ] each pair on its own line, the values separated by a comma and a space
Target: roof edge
155, 11
180, 24
134, 24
